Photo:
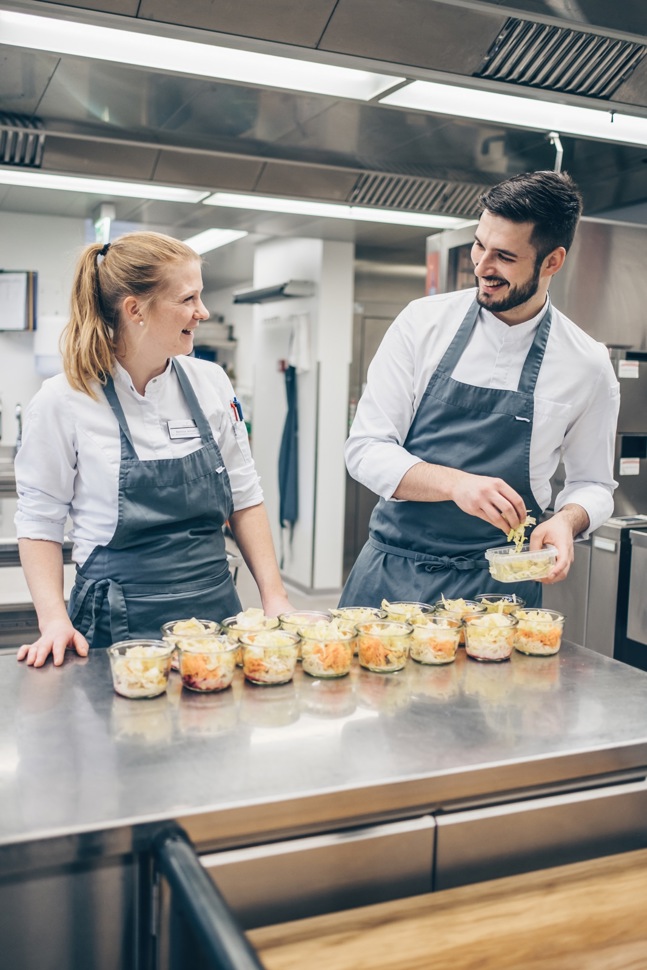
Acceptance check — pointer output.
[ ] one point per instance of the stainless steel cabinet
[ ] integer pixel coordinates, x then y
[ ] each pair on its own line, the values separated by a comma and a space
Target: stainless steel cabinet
502, 840
637, 609
304, 877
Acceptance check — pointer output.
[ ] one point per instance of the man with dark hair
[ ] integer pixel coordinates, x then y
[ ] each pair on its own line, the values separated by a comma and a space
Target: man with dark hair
472, 399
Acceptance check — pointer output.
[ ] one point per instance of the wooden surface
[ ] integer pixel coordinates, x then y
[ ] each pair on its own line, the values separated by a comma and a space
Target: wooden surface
587, 916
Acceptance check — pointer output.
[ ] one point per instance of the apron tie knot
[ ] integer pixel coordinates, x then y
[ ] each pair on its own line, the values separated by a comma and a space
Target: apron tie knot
436, 563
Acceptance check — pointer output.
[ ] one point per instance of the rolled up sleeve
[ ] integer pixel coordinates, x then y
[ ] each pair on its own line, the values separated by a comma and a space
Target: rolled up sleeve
45, 469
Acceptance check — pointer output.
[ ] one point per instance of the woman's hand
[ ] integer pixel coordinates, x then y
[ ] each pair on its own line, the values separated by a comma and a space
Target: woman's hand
55, 640
275, 605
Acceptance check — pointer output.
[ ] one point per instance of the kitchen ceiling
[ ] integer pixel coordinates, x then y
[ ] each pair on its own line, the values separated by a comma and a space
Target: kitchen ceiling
76, 115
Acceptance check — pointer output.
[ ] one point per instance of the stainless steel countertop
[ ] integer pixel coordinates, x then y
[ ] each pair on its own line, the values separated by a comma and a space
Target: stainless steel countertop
75, 757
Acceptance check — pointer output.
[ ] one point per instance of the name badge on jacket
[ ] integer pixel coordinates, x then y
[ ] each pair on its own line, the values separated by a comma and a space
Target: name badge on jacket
184, 428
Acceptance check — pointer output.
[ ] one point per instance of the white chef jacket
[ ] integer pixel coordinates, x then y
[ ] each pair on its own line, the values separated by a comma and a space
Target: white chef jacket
68, 463
576, 402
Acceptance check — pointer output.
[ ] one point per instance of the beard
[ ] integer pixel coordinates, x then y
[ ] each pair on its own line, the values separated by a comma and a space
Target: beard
515, 295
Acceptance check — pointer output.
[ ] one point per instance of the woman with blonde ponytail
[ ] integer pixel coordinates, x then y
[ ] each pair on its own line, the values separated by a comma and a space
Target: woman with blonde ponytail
144, 448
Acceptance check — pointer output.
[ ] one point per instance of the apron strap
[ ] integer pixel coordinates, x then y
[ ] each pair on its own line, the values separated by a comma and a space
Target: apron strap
127, 446
535, 355
459, 341
430, 563
197, 413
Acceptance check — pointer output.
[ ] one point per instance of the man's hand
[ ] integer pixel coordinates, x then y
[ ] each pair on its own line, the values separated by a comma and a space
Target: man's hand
490, 499
559, 531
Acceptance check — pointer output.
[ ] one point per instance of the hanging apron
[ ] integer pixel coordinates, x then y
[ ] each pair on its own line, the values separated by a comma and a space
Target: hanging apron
289, 461
167, 557
418, 551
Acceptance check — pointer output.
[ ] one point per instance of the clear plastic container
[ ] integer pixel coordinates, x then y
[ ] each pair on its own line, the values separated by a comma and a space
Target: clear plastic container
509, 566
538, 632
435, 638
501, 602
383, 645
208, 663
327, 649
140, 668
490, 637
269, 656
404, 611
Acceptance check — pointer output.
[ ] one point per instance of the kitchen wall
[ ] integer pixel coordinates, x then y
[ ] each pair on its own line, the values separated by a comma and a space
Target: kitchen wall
50, 245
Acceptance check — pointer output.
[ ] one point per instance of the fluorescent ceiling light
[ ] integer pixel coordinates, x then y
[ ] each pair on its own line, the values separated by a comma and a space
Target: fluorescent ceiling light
331, 210
508, 109
187, 57
105, 187
210, 239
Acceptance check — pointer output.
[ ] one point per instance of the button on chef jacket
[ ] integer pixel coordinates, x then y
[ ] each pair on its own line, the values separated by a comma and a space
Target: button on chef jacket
575, 408
69, 459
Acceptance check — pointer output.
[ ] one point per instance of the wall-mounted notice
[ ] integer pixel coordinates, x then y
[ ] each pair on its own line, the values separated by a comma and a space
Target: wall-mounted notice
17, 300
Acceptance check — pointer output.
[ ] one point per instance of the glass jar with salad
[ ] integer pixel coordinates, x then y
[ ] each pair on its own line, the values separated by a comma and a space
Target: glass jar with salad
327, 648
490, 636
140, 668
538, 632
207, 663
405, 612
460, 608
383, 645
177, 630
296, 619
269, 656
435, 638
356, 615
249, 621
500, 602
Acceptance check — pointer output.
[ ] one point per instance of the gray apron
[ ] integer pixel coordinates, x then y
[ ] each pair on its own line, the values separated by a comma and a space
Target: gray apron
418, 551
167, 557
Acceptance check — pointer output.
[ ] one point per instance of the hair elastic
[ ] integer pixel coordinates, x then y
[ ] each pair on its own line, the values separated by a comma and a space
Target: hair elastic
104, 250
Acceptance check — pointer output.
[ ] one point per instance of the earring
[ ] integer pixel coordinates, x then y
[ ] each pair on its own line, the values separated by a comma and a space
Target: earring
141, 323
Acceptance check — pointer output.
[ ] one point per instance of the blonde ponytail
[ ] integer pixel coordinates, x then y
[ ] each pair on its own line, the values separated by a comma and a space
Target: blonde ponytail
88, 343
133, 265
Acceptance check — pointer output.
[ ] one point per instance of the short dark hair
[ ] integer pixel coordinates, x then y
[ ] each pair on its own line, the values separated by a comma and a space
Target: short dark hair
550, 200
